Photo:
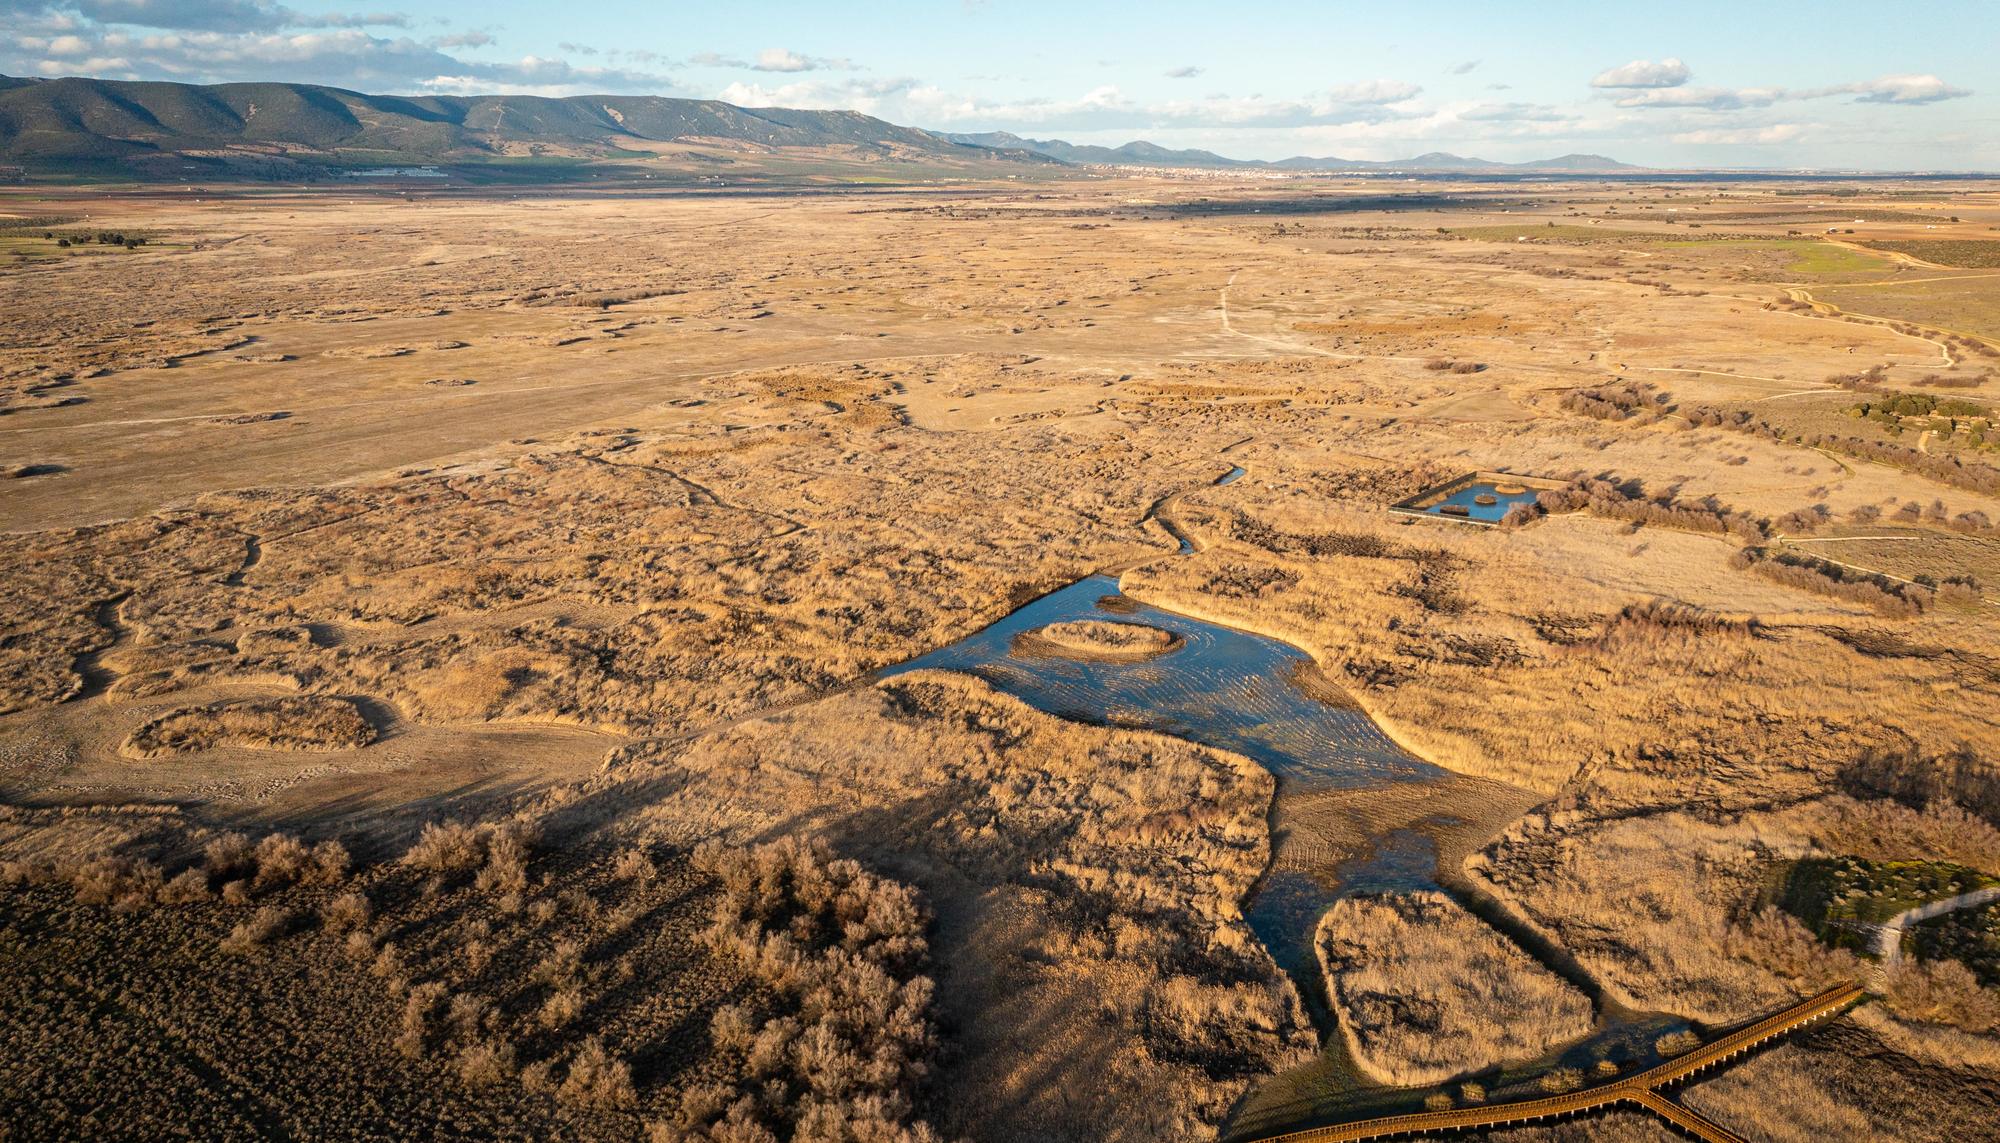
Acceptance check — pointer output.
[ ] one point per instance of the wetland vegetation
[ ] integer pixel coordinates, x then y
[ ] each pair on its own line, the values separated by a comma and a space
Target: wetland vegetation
816, 682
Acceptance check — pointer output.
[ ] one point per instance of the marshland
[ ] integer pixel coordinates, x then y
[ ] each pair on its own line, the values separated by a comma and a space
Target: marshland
903, 673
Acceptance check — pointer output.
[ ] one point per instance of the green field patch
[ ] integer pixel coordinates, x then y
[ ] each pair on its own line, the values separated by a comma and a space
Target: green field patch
1840, 897
1808, 255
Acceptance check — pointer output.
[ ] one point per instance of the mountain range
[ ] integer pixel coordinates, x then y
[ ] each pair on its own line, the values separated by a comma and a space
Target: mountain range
166, 128
1143, 154
173, 130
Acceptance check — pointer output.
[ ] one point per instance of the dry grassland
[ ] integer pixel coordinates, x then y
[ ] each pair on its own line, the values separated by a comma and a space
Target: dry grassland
1426, 991
523, 547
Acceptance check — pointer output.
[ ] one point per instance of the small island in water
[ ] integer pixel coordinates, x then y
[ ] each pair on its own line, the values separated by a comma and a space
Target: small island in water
1098, 639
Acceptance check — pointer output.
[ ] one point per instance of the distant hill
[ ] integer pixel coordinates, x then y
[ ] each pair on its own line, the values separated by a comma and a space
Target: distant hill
1131, 154
178, 130
167, 128
1151, 155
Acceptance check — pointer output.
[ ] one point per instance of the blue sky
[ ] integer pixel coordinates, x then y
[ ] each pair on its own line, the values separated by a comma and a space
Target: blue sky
1838, 84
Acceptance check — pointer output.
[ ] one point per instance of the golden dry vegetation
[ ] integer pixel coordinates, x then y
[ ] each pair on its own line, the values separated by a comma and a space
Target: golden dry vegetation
1426, 991
416, 612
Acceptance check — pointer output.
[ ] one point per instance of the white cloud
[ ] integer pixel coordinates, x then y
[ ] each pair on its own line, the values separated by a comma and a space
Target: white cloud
1736, 136
1669, 72
1705, 98
95, 65
200, 15
1107, 108
1515, 113
342, 57
1907, 89
212, 15
1462, 68
1380, 91
783, 59
1188, 71
868, 96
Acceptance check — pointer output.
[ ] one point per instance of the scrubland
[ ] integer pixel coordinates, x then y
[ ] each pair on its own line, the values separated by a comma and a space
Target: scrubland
437, 635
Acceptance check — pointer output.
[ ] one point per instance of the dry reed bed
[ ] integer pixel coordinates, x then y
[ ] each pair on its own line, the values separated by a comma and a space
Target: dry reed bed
729, 603
1088, 885
1426, 991
1100, 639
553, 973
307, 723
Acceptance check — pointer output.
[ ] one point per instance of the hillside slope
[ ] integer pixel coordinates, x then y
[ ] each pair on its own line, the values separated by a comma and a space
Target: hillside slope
1140, 153
165, 127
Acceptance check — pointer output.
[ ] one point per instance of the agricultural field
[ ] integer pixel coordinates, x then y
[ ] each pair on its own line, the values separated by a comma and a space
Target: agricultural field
1809, 257
485, 642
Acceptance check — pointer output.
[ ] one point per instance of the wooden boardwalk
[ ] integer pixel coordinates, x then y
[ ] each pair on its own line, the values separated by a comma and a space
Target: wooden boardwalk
1639, 1090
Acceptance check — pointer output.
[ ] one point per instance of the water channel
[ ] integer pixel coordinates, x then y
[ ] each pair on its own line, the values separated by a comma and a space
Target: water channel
1254, 695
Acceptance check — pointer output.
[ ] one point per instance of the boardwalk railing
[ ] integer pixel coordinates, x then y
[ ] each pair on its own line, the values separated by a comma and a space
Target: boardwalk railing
1638, 1090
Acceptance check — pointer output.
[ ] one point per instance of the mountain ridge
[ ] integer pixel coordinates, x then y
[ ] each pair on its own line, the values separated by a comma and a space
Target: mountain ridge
166, 130
158, 124
1143, 153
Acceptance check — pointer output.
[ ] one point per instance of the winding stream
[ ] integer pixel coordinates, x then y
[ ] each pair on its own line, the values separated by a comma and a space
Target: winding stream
1260, 697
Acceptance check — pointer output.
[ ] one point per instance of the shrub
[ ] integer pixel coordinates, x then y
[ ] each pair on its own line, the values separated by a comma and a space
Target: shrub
1561, 1080
486, 1063
561, 1008
264, 925
328, 865
280, 858
1677, 1043
506, 869
229, 854
417, 1008
1616, 402
189, 887
446, 847
345, 912
1943, 992
633, 865
1605, 498
596, 1078
1884, 596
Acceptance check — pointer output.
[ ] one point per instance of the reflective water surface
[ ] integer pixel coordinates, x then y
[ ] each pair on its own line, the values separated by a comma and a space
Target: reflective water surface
1221, 687
1238, 691
1468, 498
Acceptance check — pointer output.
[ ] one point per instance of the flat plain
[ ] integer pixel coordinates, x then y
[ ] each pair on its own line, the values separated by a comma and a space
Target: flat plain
439, 636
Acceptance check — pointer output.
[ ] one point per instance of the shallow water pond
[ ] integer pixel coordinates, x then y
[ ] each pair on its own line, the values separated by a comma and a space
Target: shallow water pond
1250, 694
1220, 687
1472, 501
